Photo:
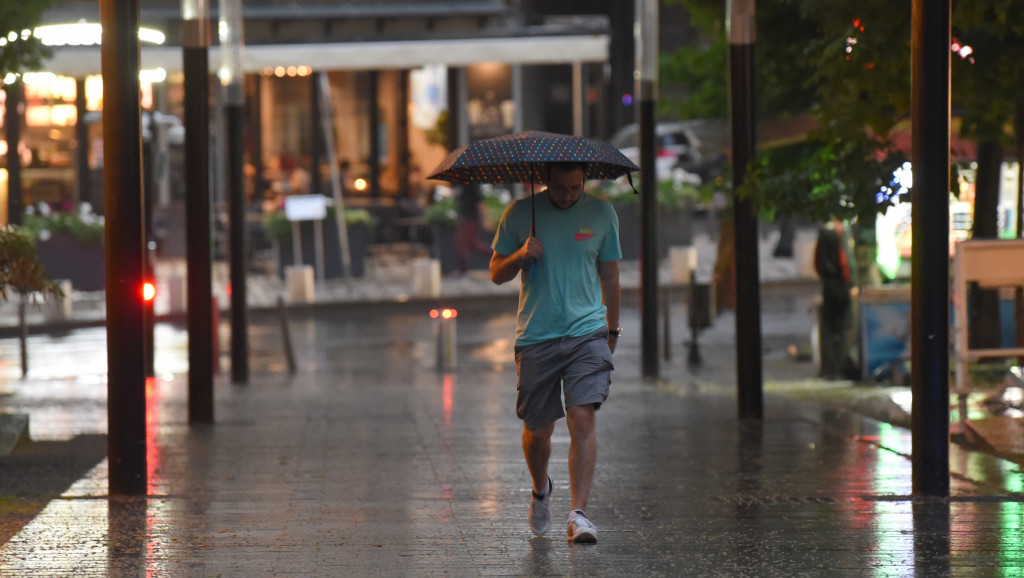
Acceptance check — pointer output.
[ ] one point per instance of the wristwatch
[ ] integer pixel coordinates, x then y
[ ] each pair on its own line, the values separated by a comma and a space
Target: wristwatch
617, 332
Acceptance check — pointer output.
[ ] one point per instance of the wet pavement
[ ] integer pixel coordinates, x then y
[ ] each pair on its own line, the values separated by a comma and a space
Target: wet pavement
370, 462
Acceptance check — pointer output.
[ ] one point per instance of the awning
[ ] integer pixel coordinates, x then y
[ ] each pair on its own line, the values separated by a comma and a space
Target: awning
81, 61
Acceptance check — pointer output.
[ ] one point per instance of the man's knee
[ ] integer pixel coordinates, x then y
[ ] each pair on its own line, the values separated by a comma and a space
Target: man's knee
541, 433
580, 416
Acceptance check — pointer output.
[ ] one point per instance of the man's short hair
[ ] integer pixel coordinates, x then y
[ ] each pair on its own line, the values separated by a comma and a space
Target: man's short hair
564, 166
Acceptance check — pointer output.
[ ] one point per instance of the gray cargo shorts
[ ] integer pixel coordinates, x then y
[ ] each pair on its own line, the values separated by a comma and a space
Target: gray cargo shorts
579, 367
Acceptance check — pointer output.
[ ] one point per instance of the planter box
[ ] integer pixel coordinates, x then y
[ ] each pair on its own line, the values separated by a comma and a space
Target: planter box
358, 246
65, 257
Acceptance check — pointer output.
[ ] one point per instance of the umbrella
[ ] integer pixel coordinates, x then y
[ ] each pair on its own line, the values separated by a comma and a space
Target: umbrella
518, 158
514, 158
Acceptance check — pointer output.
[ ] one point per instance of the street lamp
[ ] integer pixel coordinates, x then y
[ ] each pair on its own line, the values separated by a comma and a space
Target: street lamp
646, 75
740, 30
230, 75
201, 346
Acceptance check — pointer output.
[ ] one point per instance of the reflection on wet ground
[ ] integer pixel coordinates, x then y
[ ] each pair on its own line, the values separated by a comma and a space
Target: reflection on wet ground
369, 462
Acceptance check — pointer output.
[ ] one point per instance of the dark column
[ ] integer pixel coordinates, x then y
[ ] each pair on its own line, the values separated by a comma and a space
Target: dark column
402, 133
237, 243
454, 109
82, 150
620, 55
232, 75
15, 108
374, 116
124, 238
317, 134
648, 237
749, 379
646, 47
929, 273
201, 363
255, 122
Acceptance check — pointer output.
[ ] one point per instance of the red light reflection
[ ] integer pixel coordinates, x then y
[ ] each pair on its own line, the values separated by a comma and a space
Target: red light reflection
448, 397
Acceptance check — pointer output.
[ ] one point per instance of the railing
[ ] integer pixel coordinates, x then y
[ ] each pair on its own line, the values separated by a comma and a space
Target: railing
992, 264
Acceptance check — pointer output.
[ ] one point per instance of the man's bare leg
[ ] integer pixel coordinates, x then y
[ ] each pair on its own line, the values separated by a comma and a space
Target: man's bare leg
537, 450
582, 453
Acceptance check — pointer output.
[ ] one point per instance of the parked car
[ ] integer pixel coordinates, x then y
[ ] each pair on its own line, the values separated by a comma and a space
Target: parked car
679, 147
676, 143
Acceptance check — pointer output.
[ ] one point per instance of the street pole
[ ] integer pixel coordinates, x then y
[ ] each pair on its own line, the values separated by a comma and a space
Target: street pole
125, 248
231, 82
749, 379
82, 171
929, 270
196, 67
646, 87
316, 136
375, 144
14, 108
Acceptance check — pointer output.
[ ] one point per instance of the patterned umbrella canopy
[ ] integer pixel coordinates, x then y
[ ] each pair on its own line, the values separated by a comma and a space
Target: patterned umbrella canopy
519, 158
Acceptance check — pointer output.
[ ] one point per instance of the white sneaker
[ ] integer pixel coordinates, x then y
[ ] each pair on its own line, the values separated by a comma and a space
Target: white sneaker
580, 530
540, 511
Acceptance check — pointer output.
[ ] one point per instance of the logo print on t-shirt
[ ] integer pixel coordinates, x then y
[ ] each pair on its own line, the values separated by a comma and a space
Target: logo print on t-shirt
584, 233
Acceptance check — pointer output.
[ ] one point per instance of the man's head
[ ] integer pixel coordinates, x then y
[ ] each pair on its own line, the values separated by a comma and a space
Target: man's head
565, 183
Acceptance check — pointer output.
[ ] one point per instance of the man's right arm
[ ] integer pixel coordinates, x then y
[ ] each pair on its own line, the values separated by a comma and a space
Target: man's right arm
504, 268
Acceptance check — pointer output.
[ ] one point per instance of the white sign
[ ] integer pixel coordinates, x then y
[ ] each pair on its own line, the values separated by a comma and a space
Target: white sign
305, 207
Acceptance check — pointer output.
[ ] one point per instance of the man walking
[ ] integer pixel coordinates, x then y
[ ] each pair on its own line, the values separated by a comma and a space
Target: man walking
566, 328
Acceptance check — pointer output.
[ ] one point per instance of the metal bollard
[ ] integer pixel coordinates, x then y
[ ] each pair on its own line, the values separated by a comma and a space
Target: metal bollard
286, 336
666, 319
701, 314
444, 331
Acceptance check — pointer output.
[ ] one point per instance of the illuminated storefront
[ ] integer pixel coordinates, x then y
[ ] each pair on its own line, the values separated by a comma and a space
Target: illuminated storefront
61, 110
391, 97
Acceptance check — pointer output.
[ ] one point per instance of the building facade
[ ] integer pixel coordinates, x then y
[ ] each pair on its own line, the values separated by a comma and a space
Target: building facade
407, 81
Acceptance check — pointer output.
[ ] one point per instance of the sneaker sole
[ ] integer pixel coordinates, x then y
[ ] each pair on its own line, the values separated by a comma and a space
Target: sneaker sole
584, 538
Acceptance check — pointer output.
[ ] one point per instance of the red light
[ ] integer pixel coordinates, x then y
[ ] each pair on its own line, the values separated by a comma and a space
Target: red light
443, 313
148, 291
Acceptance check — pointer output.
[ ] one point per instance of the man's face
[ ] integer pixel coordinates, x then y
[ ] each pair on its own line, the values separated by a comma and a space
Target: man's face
565, 186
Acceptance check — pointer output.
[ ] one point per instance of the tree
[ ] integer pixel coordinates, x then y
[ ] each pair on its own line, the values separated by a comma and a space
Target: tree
20, 269
847, 65
22, 273
19, 48
855, 57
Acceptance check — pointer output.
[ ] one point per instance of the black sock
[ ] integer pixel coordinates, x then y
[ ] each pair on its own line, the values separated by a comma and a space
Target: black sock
541, 496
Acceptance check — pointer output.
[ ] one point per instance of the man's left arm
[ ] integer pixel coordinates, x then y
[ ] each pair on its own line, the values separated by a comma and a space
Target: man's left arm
608, 271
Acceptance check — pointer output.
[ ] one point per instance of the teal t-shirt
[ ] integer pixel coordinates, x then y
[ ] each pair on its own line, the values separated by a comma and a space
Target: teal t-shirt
560, 293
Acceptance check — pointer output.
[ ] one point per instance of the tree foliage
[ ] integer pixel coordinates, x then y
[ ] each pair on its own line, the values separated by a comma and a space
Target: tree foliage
987, 79
848, 64
20, 269
700, 70
19, 48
